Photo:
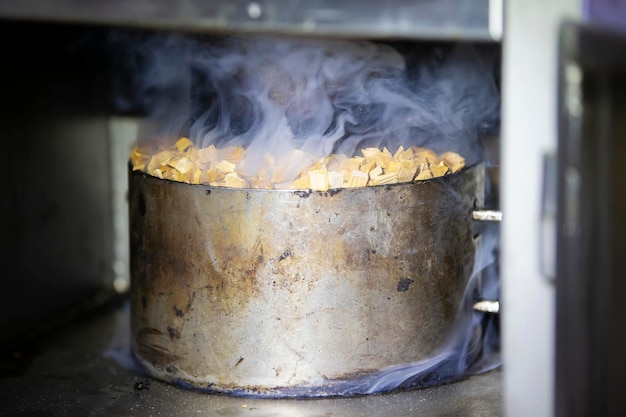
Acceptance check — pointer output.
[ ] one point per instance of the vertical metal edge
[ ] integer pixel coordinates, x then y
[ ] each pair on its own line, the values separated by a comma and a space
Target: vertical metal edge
122, 136
496, 19
529, 114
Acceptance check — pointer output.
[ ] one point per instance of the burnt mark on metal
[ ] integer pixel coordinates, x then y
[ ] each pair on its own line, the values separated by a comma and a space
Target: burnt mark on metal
190, 302
173, 333
303, 193
208, 191
142, 204
334, 191
155, 353
144, 302
248, 197
150, 330
239, 362
178, 312
404, 283
284, 255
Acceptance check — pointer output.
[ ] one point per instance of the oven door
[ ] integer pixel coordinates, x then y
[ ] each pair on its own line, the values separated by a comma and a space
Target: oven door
590, 344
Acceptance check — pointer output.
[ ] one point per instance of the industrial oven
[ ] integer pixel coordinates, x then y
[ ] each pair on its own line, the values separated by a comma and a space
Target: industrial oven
186, 231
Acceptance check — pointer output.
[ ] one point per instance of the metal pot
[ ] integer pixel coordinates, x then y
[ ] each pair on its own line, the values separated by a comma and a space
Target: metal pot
238, 290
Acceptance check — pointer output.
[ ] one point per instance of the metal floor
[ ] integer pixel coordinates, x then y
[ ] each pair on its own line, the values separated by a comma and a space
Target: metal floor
67, 374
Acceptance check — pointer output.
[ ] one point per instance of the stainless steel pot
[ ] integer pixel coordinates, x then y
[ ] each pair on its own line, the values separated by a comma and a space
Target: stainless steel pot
239, 290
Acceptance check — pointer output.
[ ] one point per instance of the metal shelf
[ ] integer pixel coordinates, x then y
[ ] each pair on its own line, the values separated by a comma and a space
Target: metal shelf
471, 20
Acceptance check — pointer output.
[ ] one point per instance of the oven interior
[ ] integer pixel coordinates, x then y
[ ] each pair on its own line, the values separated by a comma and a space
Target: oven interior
70, 122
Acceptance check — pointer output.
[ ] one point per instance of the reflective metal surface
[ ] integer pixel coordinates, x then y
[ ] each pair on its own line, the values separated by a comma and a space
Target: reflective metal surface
487, 215
421, 19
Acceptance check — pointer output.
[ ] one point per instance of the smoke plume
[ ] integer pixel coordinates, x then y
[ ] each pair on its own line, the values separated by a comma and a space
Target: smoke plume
274, 95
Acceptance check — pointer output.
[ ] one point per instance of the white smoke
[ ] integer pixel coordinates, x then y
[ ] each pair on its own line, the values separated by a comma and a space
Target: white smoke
274, 95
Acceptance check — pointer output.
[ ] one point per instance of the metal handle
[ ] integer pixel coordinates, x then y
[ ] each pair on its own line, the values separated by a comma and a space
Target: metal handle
487, 215
487, 306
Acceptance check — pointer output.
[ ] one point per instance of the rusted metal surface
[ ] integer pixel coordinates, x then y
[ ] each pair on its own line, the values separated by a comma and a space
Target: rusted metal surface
260, 290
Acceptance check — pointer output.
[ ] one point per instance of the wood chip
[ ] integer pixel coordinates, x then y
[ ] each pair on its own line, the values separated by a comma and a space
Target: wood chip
183, 144
351, 164
302, 183
367, 165
207, 155
335, 179
452, 160
319, 180
407, 171
426, 153
376, 171
139, 159
226, 167
438, 170
384, 179
370, 152
424, 173
358, 179
195, 176
233, 180
214, 175
221, 167
232, 154
404, 155
181, 164
161, 159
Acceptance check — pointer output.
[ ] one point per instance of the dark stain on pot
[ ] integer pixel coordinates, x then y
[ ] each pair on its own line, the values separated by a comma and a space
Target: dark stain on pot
284, 255
190, 301
334, 191
303, 193
155, 353
239, 362
178, 312
142, 204
146, 331
208, 192
171, 369
404, 283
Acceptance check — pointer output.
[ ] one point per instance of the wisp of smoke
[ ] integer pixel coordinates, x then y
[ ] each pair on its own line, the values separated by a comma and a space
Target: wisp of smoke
273, 95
